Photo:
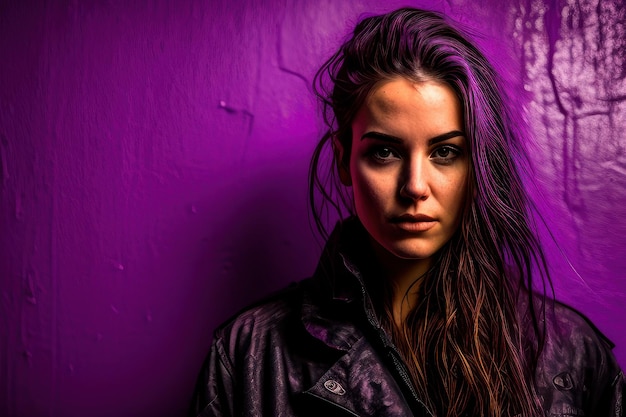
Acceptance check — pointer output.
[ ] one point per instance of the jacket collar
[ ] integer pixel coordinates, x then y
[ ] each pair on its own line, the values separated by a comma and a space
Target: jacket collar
336, 297
346, 254
337, 310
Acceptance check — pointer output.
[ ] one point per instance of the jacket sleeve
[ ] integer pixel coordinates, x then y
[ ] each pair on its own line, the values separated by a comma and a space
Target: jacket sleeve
617, 396
214, 392
606, 388
609, 382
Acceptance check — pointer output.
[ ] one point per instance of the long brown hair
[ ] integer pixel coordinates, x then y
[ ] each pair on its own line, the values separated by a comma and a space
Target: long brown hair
471, 343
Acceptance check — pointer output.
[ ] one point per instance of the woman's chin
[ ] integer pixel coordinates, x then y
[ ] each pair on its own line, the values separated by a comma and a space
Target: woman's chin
410, 252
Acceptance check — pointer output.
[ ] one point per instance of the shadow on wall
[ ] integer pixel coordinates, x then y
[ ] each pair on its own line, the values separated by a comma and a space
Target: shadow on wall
256, 244
264, 242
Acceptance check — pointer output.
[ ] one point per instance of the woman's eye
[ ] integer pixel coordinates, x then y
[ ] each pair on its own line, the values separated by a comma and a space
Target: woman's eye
445, 154
384, 154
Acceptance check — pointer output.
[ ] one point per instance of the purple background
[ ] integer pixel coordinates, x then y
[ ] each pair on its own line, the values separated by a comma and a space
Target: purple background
153, 177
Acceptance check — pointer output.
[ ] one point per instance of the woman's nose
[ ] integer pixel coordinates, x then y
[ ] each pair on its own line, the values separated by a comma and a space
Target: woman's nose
414, 184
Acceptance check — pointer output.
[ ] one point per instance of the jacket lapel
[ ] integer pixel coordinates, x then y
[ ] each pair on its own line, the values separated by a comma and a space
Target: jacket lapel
360, 385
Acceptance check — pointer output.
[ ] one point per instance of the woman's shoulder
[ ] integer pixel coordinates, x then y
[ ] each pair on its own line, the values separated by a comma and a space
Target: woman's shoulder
576, 369
568, 327
272, 322
267, 311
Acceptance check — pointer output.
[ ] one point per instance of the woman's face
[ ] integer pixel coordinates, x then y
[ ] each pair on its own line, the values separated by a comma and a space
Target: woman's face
408, 166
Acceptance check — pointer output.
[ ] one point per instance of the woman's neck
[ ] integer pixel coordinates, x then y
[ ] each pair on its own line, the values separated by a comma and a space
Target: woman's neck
405, 279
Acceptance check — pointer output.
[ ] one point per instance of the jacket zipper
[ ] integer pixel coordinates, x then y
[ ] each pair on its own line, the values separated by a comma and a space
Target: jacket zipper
393, 352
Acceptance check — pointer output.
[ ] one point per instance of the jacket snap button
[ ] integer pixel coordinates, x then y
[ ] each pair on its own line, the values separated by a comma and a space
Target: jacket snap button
334, 387
563, 381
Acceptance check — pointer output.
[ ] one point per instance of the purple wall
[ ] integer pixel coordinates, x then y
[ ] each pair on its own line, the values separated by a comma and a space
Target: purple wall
153, 173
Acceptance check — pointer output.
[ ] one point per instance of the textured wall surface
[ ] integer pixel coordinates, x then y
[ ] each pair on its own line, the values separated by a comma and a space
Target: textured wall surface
153, 163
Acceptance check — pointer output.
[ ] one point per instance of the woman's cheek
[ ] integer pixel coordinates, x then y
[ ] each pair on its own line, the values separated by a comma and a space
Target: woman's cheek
372, 188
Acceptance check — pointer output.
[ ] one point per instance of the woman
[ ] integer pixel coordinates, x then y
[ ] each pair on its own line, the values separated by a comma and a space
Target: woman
422, 302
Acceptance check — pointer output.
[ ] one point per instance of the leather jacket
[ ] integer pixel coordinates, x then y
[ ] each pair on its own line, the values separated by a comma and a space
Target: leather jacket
316, 349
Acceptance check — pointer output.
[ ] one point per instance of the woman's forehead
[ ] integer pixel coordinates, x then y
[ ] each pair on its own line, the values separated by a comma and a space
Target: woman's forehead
402, 105
398, 94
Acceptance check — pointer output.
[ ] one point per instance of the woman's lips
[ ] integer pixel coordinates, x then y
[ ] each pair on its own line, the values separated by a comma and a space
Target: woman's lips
413, 222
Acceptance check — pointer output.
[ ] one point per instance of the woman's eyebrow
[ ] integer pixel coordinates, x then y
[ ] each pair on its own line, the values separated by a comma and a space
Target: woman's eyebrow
389, 138
381, 136
445, 136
